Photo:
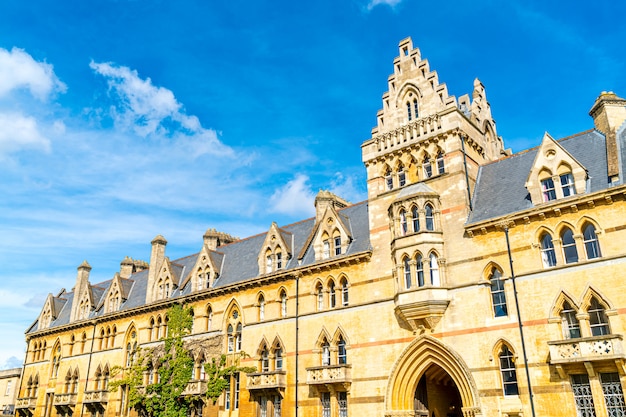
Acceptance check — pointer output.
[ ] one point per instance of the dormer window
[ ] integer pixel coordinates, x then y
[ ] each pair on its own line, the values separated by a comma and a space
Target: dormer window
279, 259
547, 188
326, 249
337, 242
268, 264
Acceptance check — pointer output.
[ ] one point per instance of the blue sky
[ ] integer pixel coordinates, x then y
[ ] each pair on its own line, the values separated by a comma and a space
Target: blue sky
121, 120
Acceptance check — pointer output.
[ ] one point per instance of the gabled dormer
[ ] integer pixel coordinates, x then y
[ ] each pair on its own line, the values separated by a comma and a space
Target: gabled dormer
83, 302
166, 280
51, 309
331, 234
205, 271
276, 250
116, 294
555, 173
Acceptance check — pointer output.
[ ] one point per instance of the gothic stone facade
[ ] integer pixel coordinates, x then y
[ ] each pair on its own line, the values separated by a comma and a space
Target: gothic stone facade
402, 305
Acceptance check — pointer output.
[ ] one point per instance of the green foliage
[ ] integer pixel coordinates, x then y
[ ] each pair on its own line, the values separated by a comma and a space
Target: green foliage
218, 376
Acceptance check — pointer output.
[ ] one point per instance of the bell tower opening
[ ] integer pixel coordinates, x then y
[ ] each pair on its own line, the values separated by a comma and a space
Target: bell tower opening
437, 395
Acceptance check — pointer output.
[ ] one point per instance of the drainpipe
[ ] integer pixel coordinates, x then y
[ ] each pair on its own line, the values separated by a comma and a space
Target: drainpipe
519, 321
297, 334
93, 336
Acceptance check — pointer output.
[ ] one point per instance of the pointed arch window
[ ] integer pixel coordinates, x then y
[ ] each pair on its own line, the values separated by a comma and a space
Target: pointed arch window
430, 217
409, 114
407, 273
434, 270
590, 240
428, 169
344, 292
325, 353
415, 218
279, 259
261, 307
278, 357
569, 322
56, 361
507, 369
498, 297
567, 184
548, 256
332, 294
388, 179
283, 304
326, 248
419, 270
415, 110
341, 351
401, 176
403, 223
265, 360
547, 189
441, 168
598, 321
209, 322
268, 262
231, 338
238, 340
320, 297
569, 246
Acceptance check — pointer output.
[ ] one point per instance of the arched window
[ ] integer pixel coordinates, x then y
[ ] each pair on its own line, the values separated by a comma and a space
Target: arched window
344, 291
430, 218
325, 353
320, 297
238, 337
279, 258
569, 246
407, 273
434, 270
56, 360
200, 280
325, 247
408, 111
341, 351
102, 340
261, 307
401, 176
569, 322
265, 360
416, 219
231, 338
598, 321
591, 241
440, 163
161, 288
388, 179
332, 294
72, 341
283, 304
268, 261
567, 184
507, 369
278, 358
337, 242
428, 169
152, 330
498, 297
209, 321
547, 189
416, 113
83, 340
548, 256
159, 325
419, 270
403, 223
167, 289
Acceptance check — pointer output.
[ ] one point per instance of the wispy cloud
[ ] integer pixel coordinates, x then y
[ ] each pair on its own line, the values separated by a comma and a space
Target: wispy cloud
18, 132
295, 197
374, 3
18, 70
150, 110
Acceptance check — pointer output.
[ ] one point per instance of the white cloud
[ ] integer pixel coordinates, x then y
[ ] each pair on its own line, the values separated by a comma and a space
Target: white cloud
150, 110
374, 3
19, 70
19, 132
294, 198
344, 187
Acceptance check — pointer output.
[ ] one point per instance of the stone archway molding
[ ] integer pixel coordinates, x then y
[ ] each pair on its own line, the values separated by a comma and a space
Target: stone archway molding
411, 365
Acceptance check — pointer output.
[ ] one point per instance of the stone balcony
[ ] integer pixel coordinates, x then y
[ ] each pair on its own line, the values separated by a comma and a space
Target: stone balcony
586, 349
67, 399
267, 380
195, 387
27, 402
329, 375
100, 396
423, 307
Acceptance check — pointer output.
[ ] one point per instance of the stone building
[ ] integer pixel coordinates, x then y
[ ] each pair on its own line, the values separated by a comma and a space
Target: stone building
9, 384
408, 303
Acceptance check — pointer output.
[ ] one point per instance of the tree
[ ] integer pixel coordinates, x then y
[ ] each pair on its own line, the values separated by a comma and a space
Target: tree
174, 366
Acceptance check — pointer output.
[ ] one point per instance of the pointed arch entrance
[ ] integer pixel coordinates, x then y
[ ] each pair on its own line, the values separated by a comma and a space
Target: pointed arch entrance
430, 379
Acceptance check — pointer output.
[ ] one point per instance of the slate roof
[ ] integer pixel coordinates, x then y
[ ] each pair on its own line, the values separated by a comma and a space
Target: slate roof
500, 186
237, 262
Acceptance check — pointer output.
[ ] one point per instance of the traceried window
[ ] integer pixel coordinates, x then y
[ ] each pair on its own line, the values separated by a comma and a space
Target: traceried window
319, 291
325, 398
569, 322
238, 337
332, 294
407, 273
547, 189
278, 358
598, 321
283, 304
507, 369
337, 243
401, 176
415, 218
567, 184
279, 259
268, 264
569, 246
56, 361
408, 111
613, 394
261, 307
388, 180
209, 320
498, 297
590, 239
430, 218
325, 353
548, 256
583, 396
231, 338
342, 402
344, 291
416, 114
265, 360
326, 249
342, 357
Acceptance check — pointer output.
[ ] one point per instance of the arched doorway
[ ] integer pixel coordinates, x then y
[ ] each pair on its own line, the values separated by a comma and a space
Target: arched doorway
437, 395
430, 379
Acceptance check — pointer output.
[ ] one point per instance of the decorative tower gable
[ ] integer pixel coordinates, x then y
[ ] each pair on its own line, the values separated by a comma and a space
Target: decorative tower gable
166, 280
205, 271
276, 250
555, 173
115, 295
48, 313
331, 234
